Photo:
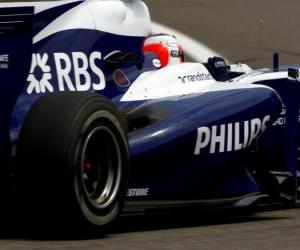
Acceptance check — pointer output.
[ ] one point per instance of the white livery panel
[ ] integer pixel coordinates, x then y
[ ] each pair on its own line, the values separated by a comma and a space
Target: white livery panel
181, 79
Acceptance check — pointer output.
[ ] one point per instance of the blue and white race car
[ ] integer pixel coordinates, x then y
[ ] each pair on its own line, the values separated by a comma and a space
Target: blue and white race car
97, 113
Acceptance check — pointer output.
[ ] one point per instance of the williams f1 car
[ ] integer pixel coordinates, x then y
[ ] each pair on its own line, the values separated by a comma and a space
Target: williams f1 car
101, 117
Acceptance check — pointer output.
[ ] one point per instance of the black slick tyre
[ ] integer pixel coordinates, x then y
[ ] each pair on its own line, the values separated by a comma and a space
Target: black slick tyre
73, 160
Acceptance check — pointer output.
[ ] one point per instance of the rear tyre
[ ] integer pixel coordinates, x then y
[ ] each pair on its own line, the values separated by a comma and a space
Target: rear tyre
73, 159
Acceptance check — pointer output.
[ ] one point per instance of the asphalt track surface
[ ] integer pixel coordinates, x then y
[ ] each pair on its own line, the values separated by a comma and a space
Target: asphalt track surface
241, 30
277, 229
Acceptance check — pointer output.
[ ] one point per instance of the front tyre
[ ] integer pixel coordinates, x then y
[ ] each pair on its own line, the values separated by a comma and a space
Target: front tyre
73, 159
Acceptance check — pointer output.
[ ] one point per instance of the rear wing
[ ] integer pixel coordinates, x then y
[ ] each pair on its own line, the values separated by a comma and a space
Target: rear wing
15, 60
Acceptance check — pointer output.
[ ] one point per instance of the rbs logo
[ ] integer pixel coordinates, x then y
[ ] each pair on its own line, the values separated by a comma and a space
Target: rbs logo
77, 72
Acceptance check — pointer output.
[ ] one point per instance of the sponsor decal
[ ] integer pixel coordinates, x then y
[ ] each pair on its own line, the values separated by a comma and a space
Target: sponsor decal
156, 63
220, 63
195, 78
4, 61
137, 192
73, 72
175, 53
282, 118
229, 137
42, 84
4, 58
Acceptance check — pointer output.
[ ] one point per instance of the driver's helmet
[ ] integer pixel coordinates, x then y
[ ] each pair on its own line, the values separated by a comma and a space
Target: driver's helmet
166, 47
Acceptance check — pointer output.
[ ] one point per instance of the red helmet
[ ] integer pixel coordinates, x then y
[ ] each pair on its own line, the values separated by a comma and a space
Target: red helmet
166, 47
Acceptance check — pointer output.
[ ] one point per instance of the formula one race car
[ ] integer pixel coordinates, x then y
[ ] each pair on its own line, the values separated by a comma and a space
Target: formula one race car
98, 113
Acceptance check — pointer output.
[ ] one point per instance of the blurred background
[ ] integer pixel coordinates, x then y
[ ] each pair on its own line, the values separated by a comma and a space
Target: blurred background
240, 30
248, 31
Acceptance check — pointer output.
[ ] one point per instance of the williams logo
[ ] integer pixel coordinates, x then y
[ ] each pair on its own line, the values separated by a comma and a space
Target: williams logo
62, 72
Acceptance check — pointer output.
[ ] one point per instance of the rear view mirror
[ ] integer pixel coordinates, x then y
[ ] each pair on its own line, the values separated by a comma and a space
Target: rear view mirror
116, 59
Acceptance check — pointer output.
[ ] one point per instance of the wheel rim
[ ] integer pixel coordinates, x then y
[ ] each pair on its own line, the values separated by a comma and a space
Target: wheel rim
101, 167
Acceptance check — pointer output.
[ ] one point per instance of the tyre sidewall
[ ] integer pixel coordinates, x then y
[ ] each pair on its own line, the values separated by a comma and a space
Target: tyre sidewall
85, 123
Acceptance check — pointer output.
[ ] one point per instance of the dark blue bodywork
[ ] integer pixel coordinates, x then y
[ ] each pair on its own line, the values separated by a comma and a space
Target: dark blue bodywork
13, 56
162, 150
163, 153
